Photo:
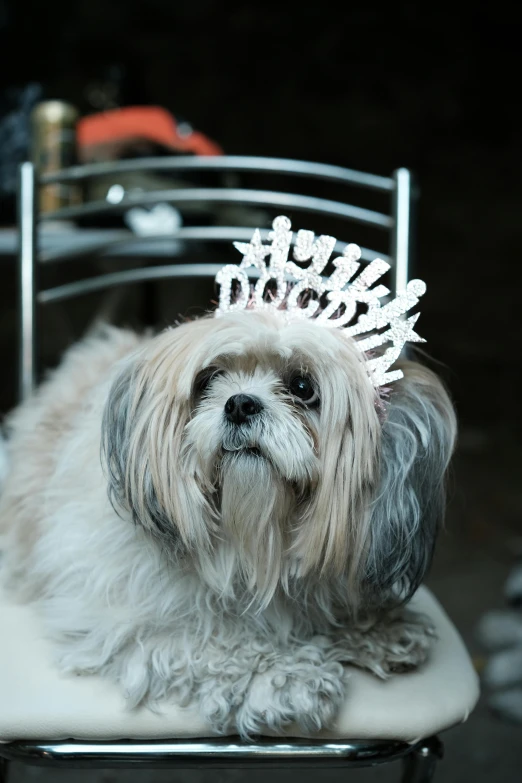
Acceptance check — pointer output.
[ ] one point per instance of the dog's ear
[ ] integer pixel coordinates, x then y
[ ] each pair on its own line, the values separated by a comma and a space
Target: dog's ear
418, 438
144, 417
126, 451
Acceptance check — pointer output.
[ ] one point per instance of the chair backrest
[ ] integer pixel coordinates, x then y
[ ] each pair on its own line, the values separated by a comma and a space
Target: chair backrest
394, 224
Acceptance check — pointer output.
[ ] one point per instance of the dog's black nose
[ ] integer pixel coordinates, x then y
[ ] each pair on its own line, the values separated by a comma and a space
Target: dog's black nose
241, 407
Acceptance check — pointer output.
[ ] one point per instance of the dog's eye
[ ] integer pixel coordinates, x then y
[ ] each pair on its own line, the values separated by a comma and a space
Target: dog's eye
302, 387
205, 378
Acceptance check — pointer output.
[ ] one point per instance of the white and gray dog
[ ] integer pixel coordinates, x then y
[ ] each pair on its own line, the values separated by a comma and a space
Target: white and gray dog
224, 514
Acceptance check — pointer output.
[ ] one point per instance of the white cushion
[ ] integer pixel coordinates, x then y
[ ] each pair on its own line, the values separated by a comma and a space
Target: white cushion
37, 702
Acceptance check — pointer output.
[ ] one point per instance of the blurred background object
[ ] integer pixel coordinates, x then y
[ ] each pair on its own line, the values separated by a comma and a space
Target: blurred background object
53, 147
500, 633
138, 130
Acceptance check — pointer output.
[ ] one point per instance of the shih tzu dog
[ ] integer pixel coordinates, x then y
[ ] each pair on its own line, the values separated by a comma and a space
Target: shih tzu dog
226, 513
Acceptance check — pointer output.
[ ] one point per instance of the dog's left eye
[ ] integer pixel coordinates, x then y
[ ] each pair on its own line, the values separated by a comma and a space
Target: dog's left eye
302, 387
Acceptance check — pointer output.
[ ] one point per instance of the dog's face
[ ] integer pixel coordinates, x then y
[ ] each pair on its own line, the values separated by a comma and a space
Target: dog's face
268, 436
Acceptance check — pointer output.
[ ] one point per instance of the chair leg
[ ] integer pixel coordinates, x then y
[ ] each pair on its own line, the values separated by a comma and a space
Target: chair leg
4, 766
419, 765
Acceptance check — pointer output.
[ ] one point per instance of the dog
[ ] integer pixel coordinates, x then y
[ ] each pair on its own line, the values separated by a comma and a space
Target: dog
226, 514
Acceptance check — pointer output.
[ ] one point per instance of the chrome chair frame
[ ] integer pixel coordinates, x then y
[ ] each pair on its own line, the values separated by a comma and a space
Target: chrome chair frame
418, 759
397, 224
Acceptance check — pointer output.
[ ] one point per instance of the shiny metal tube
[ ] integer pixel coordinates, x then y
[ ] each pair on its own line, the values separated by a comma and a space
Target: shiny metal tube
26, 280
264, 198
301, 168
226, 752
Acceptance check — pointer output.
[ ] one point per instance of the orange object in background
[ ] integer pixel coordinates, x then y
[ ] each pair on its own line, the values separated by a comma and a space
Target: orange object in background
107, 135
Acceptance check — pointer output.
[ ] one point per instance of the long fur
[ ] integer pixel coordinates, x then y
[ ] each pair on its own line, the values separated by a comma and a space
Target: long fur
235, 567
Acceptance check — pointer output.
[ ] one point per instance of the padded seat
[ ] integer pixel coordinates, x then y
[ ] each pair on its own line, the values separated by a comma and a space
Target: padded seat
38, 703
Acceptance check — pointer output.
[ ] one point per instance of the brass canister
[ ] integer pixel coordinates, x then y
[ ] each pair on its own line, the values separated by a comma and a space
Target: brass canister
53, 131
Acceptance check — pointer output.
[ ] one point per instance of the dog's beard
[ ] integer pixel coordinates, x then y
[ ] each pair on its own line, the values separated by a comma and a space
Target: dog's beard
257, 479
256, 509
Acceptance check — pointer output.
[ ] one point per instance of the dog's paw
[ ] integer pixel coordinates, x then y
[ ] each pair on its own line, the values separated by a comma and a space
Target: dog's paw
392, 645
219, 699
307, 694
406, 645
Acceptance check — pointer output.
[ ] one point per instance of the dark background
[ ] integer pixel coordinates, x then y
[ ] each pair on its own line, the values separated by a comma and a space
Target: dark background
373, 86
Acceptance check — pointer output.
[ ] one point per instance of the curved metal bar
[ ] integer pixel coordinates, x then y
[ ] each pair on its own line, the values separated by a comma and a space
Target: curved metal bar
186, 233
226, 163
210, 752
79, 243
112, 279
265, 198
129, 276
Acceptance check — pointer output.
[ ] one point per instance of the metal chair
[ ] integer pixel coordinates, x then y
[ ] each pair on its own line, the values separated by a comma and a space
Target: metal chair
418, 757
394, 226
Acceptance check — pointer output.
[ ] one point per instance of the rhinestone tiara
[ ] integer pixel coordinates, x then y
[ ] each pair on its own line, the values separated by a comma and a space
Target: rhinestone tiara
296, 290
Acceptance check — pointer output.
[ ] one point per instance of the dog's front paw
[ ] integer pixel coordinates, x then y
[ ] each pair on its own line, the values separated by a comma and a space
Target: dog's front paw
391, 645
403, 645
305, 693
